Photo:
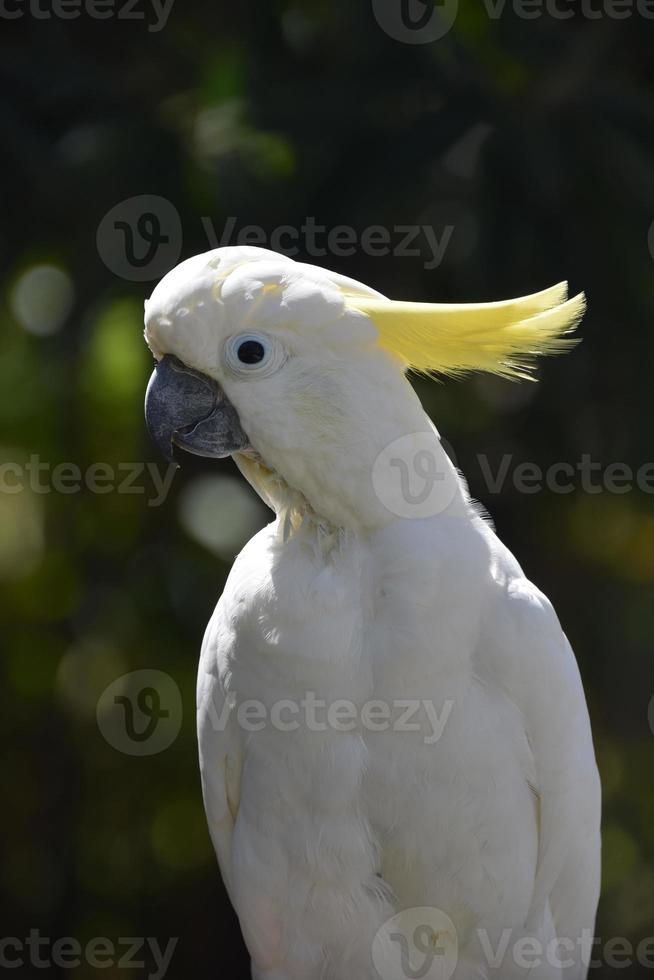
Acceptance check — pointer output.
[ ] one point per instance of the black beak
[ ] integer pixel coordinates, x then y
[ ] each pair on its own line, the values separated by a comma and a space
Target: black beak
186, 408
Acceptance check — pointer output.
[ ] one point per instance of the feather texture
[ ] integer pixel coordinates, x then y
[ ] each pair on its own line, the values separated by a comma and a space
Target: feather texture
503, 338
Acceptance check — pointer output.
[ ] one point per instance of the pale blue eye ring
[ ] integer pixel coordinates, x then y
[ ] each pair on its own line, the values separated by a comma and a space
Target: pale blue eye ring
253, 353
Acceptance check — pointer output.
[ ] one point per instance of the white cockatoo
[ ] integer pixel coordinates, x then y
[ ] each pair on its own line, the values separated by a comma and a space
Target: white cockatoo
395, 749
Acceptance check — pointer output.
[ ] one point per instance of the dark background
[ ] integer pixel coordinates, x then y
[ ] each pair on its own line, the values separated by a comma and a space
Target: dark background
532, 140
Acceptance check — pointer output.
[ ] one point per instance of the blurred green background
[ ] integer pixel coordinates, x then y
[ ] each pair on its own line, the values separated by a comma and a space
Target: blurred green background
532, 140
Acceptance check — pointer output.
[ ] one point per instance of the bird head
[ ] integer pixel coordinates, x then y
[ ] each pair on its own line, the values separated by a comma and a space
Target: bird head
300, 373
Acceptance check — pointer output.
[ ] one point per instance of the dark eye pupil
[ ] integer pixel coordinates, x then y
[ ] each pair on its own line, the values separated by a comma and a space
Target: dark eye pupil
250, 352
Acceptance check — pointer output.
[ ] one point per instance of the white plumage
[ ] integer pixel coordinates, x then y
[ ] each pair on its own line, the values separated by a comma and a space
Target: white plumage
323, 835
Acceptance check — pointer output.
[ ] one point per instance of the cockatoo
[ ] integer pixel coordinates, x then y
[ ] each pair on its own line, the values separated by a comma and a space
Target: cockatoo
395, 750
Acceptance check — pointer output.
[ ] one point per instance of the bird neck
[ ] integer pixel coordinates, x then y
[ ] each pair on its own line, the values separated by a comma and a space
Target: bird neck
401, 472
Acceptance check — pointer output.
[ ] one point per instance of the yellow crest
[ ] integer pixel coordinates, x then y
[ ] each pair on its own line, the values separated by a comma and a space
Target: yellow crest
503, 338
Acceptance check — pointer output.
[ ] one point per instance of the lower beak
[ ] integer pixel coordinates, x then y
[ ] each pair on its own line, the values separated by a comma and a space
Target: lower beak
188, 409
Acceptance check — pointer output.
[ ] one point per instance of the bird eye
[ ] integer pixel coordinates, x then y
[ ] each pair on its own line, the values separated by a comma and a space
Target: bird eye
254, 353
250, 352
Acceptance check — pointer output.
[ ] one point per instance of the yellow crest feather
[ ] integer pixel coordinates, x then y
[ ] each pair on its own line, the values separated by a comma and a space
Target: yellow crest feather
503, 338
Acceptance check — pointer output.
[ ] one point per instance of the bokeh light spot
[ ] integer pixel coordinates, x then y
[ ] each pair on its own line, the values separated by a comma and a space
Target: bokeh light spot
220, 513
42, 299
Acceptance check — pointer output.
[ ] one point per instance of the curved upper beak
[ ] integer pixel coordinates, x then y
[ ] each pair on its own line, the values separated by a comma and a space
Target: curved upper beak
188, 409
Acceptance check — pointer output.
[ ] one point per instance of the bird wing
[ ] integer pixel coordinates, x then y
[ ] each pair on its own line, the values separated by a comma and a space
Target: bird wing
223, 751
220, 750
548, 688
